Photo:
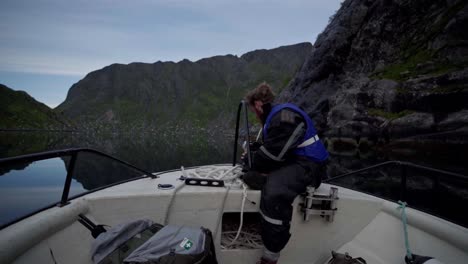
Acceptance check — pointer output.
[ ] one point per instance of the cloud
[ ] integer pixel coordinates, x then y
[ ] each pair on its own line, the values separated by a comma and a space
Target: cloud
47, 63
76, 37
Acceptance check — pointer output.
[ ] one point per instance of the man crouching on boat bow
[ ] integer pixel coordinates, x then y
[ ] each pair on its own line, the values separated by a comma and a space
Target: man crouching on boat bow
290, 158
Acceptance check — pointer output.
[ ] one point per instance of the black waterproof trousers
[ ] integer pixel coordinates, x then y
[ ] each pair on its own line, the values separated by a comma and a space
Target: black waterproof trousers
279, 189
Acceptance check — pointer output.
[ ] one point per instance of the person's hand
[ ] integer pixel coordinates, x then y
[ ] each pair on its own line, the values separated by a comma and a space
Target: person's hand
254, 146
244, 157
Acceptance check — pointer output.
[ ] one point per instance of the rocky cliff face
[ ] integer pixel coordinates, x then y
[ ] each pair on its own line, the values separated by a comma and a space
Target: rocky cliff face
389, 69
148, 96
18, 110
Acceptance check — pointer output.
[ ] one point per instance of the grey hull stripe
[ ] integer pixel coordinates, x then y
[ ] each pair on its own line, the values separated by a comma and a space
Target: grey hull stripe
291, 140
271, 220
286, 146
309, 142
259, 134
270, 255
271, 156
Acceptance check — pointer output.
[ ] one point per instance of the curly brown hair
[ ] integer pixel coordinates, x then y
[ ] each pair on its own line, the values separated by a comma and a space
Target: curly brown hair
262, 92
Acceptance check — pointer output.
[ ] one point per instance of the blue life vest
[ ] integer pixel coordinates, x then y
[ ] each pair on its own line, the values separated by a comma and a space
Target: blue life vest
315, 151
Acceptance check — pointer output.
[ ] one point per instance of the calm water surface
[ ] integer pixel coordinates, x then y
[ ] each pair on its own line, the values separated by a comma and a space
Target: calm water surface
25, 188
37, 185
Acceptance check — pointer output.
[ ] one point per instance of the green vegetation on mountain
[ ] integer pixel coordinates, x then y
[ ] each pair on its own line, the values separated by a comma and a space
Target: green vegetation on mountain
388, 70
205, 93
388, 115
417, 57
18, 110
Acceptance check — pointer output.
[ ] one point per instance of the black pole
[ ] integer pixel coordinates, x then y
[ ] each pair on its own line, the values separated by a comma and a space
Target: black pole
236, 135
247, 134
66, 186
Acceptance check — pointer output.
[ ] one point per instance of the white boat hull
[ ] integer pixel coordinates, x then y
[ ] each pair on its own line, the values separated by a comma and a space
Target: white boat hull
364, 225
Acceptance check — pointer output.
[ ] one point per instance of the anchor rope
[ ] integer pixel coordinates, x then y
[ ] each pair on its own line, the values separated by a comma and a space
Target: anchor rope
402, 208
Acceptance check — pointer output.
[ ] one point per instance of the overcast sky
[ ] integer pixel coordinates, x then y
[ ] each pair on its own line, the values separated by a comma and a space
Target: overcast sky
47, 45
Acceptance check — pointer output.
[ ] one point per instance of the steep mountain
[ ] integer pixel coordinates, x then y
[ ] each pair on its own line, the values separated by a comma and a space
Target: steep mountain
18, 110
389, 69
202, 93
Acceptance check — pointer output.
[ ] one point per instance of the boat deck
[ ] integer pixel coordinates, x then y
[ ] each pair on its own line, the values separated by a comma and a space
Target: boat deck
364, 226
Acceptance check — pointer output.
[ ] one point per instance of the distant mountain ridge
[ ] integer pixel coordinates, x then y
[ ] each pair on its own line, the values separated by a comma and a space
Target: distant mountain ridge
18, 110
201, 93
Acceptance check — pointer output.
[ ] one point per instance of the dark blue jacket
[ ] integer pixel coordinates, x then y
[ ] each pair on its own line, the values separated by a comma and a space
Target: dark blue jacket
303, 139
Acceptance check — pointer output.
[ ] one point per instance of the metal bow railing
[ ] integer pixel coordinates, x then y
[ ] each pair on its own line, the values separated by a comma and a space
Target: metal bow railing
73, 154
441, 199
403, 175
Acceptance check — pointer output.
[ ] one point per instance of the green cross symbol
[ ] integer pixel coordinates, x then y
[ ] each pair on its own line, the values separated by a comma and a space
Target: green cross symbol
188, 245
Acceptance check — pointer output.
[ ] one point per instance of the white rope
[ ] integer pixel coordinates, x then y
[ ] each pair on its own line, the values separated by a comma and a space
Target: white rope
244, 196
230, 171
183, 171
230, 176
171, 202
259, 133
247, 240
216, 172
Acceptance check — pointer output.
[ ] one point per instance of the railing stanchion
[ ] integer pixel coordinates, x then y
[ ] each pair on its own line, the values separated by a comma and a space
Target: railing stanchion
72, 153
247, 134
236, 135
66, 187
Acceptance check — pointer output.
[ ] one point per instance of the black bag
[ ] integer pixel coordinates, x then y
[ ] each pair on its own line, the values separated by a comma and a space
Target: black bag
338, 258
144, 242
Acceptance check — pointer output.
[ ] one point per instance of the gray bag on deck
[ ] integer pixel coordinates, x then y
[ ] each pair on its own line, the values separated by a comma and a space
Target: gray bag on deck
107, 242
142, 241
338, 258
170, 240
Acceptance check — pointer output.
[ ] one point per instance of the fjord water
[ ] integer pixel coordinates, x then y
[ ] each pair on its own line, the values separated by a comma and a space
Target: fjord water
28, 187
25, 188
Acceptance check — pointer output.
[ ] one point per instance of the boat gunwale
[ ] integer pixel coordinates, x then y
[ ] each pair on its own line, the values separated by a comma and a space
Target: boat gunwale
67, 152
75, 151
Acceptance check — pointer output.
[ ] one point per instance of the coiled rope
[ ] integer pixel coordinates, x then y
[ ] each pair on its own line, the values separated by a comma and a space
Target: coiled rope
231, 179
230, 176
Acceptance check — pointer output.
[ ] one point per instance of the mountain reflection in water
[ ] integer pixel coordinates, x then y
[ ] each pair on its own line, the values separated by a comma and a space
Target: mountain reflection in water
28, 187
